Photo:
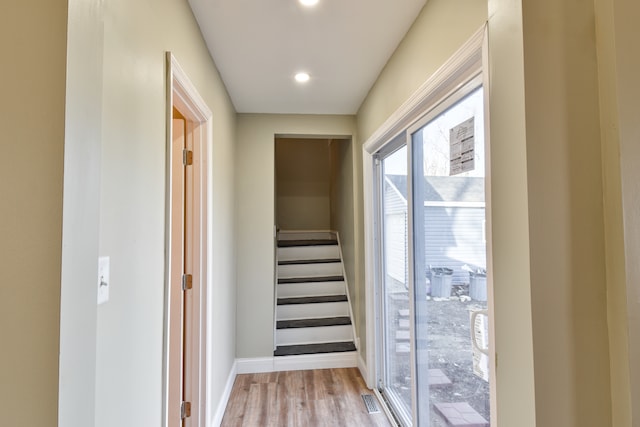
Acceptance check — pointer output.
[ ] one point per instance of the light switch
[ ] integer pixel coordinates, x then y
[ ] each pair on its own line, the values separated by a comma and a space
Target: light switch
103, 279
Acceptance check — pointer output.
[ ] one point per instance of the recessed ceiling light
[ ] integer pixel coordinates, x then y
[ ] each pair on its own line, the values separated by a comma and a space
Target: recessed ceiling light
302, 77
308, 2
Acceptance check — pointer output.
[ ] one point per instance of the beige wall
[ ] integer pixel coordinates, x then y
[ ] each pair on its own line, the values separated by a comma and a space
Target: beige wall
566, 222
255, 218
509, 215
626, 16
81, 214
619, 65
123, 385
343, 220
132, 223
303, 184
614, 231
33, 41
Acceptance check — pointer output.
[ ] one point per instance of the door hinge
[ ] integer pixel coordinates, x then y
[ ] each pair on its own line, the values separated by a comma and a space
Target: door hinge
187, 157
187, 282
185, 410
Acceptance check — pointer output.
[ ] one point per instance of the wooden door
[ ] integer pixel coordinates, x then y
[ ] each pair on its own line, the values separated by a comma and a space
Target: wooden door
182, 256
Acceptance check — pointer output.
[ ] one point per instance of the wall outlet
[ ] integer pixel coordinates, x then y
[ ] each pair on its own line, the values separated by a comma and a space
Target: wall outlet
103, 279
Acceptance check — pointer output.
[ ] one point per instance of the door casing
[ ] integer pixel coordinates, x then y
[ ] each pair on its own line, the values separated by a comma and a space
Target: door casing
183, 97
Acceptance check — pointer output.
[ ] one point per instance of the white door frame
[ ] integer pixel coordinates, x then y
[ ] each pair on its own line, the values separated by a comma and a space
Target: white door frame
182, 95
471, 59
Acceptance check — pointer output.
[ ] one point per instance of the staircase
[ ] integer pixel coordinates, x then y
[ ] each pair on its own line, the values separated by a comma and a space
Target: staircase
313, 314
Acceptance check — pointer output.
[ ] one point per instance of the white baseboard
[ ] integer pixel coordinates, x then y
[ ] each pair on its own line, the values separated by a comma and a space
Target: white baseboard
297, 363
364, 371
347, 359
224, 399
254, 365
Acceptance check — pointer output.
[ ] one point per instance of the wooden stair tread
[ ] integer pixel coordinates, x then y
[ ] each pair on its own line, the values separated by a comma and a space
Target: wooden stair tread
306, 242
312, 300
309, 261
332, 347
314, 279
310, 323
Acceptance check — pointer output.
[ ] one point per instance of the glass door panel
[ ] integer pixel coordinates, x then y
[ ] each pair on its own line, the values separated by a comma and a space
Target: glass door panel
396, 381
449, 265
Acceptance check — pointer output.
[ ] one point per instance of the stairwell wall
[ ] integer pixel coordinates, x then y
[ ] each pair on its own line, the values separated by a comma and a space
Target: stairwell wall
344, 219
303, 184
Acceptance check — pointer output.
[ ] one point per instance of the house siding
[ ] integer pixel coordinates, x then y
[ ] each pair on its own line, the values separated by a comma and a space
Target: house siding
454, 236
395, 234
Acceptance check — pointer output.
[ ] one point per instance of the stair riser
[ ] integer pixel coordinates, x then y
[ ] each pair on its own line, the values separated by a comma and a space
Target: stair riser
315, 335
309, 270
309, 235
308, 252
293, 290
312, 311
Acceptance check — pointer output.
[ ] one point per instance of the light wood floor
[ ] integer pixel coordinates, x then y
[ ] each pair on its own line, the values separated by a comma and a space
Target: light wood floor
322, 397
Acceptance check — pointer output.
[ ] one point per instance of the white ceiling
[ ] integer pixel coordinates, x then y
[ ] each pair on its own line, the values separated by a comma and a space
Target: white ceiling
259, 45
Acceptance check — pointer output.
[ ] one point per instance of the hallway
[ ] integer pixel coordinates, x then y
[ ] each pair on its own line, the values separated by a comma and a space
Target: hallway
86, 127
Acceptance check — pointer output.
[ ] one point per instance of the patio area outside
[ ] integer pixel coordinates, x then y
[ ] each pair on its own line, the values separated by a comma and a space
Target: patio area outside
451, 376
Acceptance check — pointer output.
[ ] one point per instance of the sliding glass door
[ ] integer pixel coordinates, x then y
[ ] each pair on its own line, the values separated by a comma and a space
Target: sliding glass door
395, 301
432, 289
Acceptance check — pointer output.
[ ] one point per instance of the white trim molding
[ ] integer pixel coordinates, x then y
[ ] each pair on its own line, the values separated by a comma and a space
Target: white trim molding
226, 394
446, 80
362, 367
186, 94
302, 362
183, 95
254, 365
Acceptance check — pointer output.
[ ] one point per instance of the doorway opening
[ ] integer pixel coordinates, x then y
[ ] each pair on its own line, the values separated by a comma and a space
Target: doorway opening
314, 216
187, 241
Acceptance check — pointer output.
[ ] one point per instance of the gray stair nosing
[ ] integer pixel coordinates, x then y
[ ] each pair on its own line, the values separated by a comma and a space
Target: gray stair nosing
306, 242
321, 299
312, 284
312, 279
348, 345
321, 322
310, 261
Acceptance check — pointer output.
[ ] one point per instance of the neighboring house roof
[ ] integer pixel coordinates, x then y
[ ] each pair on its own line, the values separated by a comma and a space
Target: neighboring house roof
444, 188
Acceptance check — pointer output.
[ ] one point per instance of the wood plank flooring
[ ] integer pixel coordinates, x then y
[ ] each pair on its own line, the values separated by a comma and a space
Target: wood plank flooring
322, 397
